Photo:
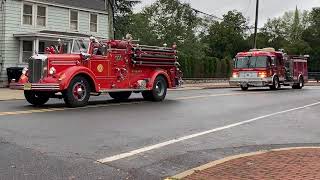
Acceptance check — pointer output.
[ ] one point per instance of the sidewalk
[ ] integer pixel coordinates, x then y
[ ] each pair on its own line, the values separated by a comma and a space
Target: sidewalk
8, 94
282, 164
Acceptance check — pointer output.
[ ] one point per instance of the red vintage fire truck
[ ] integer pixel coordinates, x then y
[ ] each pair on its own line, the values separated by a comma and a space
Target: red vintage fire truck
95, 67
269, 68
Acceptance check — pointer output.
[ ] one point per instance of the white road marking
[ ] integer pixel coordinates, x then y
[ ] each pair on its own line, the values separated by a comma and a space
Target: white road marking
173, 141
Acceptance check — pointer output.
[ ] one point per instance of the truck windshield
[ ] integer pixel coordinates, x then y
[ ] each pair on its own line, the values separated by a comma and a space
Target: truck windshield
80, 45
251, 62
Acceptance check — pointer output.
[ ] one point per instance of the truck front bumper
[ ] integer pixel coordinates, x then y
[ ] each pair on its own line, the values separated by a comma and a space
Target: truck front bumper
35, 86
253, 82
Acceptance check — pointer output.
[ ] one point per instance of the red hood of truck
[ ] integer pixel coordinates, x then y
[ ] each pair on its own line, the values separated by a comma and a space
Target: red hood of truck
64, 56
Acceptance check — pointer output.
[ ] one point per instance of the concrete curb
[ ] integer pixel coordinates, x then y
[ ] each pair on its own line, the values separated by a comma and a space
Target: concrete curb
230, 158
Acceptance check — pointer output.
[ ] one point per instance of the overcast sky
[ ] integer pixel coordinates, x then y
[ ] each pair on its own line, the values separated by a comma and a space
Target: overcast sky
268, 8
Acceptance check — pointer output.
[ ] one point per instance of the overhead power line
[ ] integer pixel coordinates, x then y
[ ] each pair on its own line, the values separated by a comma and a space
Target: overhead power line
204, 13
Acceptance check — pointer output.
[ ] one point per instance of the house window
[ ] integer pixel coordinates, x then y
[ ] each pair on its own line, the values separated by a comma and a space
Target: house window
27, 14
93, 23
74, 20
41, 16
27, 51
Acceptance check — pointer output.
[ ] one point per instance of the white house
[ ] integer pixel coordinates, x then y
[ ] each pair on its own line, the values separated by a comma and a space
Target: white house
29, 26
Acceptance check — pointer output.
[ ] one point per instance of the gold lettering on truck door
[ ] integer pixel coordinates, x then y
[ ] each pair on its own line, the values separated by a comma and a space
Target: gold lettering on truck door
118, 57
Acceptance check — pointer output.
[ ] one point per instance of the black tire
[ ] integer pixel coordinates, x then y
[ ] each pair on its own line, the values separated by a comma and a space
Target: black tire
276, 84
36, 98
78, 92
120, 96
300, 85
244, 88
158, 92
147, 95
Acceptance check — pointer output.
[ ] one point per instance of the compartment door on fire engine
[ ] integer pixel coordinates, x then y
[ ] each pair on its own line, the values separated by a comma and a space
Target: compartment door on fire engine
278, 67
120, 70
100, 65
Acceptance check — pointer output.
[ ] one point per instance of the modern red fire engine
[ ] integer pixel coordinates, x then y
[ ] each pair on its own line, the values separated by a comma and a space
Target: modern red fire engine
94, 67
269, 68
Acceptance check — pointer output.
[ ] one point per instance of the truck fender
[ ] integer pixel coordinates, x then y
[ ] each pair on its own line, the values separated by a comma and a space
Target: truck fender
72, 72
157, 73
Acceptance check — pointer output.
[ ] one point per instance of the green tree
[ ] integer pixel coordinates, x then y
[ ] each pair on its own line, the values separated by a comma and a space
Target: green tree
169, 21
296, 32
123, 16
312, 36
286, 32
226, 38
141, 30
275, 32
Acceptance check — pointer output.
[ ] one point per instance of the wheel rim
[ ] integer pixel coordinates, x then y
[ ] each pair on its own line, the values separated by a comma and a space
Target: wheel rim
159, 88
277, 83
301, 83
79, 91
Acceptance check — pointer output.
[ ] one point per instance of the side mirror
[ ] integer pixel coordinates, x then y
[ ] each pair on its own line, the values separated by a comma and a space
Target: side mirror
85, 56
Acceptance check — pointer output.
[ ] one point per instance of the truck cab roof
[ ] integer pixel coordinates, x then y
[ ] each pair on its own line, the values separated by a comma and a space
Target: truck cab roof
271, 52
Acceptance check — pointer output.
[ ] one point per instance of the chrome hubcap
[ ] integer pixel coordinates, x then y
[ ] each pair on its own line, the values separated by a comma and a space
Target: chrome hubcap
159, 89
277, 84
79, 91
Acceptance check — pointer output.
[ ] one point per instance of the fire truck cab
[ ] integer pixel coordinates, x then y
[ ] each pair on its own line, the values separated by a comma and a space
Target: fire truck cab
94, 67
269, 68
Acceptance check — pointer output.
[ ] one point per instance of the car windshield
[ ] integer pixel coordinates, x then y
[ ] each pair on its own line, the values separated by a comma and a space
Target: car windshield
80, 45
251, 62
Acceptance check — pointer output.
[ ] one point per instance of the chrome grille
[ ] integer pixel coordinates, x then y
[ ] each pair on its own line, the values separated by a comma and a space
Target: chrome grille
35, 70
249, 74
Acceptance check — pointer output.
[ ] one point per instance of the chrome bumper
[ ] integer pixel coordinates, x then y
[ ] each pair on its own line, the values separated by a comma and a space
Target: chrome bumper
255, 82
35, 86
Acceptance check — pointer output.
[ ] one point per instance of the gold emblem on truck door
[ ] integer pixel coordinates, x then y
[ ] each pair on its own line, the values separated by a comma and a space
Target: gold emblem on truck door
100, 68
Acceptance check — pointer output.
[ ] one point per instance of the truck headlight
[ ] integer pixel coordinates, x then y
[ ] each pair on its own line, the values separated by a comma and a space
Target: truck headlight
235, 75
262, 74
52, 71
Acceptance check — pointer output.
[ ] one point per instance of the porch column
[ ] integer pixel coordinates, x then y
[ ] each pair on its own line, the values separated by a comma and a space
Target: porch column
21, 51
35, 47
69, 47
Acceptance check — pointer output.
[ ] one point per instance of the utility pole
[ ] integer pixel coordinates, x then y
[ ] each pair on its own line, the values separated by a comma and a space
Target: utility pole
256, 25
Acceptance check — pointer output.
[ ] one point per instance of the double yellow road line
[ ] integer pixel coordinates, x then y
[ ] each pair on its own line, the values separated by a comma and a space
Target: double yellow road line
60, 109
118, 104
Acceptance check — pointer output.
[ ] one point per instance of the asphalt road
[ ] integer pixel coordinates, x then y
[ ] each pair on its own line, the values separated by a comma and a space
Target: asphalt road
146, 140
